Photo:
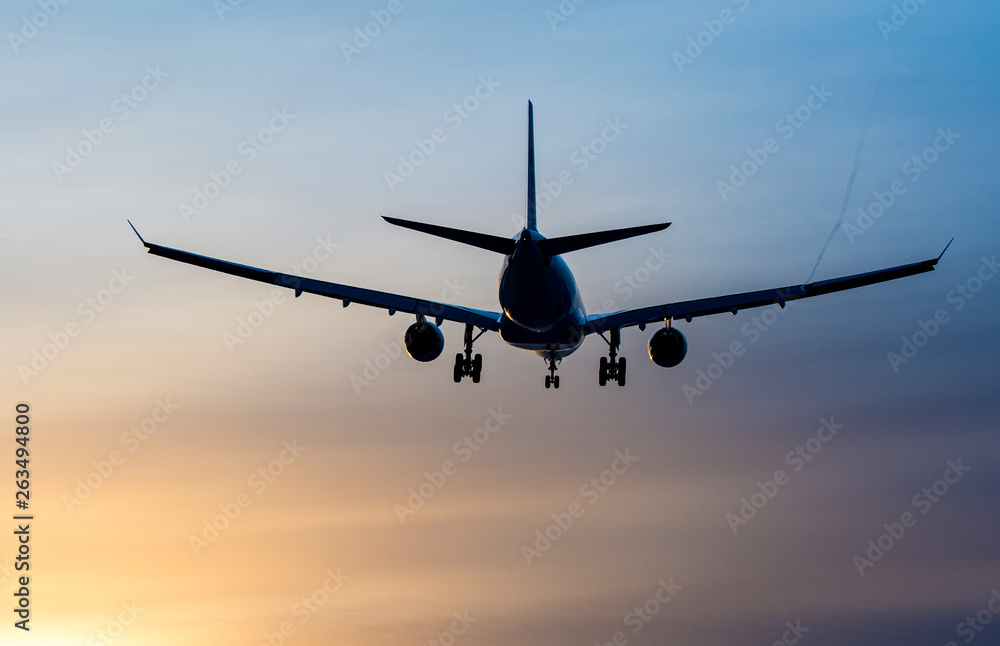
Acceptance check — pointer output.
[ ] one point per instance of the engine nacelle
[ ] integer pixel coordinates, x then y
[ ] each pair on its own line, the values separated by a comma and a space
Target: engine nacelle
667, 347
424, 341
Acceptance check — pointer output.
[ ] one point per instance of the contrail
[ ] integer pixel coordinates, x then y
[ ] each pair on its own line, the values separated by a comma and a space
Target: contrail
850, 182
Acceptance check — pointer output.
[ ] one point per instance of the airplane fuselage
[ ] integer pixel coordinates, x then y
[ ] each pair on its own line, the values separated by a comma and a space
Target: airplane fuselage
542, 308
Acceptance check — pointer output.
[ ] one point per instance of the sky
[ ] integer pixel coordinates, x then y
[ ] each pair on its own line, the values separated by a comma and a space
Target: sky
216, 463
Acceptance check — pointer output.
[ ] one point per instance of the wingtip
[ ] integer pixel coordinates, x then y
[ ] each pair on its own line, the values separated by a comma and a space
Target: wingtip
136, 232
945, 249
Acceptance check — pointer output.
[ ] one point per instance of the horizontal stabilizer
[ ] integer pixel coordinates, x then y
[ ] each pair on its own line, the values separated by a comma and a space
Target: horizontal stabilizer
565, 244
481, 240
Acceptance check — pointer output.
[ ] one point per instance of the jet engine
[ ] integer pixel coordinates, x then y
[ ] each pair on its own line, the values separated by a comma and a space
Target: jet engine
424, 341
667, 347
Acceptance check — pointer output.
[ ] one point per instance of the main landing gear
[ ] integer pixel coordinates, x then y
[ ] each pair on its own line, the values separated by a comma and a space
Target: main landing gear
467, 365
551, 379
612, 369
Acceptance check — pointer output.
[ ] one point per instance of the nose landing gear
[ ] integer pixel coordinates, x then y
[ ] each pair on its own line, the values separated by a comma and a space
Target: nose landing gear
552, 379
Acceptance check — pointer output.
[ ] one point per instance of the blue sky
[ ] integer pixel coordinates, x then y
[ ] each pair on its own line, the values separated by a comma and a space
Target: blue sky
311, 131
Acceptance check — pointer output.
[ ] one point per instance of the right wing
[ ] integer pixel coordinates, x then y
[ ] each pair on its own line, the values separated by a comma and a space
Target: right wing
347, 294
735, 302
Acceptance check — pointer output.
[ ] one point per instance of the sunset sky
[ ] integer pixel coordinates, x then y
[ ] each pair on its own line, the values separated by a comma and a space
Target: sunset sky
212, 465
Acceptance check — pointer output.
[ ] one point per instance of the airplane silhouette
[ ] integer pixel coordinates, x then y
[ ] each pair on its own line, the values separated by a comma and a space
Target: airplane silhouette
541, 307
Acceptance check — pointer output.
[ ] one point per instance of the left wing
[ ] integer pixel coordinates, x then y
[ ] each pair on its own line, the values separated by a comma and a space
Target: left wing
735, 302
346, 293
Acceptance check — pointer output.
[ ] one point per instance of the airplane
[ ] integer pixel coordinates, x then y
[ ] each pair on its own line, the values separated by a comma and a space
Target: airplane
541, 309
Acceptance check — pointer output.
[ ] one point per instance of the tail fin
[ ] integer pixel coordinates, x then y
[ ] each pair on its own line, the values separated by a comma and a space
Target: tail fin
531, 223
549, 247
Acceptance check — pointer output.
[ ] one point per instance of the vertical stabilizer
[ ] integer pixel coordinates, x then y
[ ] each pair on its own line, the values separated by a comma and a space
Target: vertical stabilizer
530, 221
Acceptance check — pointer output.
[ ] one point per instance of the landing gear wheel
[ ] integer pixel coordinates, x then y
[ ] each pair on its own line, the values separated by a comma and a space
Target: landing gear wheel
552, 381
465, 364
612, 368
